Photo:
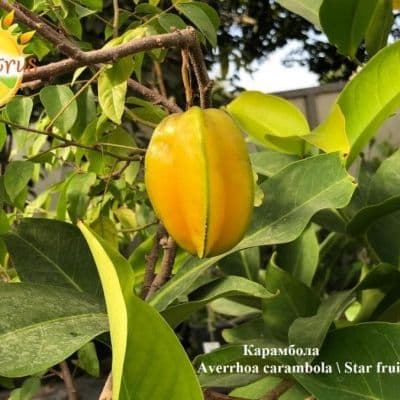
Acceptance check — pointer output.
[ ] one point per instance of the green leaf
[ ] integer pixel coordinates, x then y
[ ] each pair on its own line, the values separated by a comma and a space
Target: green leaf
308, 9
367, 104
121, 143
345, 22
378, 214
78, 194
293, 300
292, 197
112, 86
367, 216
248, 331
19, 111
3, 135
86, 113
268, 162
41, 326
311, 331
330, 135
146, 110
271, 120
171, 21
54, 99
212, 14
200, 18
93, 4
245, 263
73, 25
364, 344
300, 257
88, 360
27, 391
226, 355
135, 374
380, 27
260, 388
232, 354
53, 252
16, 177
147, 9
224, 287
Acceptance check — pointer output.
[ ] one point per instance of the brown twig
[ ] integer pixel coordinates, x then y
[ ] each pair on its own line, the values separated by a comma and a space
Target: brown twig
185, 71
106, 393
151, 261
200, 70
160, 79
167, 264
68, 381
279, 390
136, 153
182, 38
153, 96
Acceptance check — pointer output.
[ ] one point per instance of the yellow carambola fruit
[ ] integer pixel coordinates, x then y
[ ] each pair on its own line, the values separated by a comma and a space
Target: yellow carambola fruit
199, 180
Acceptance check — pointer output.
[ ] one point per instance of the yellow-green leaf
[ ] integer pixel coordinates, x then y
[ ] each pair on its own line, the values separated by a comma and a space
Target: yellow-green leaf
143, 343
330, 135
271, 120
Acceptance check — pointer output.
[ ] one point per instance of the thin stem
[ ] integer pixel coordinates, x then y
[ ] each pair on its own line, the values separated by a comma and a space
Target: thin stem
200, 70
153, 96
185, 72
68, 381
151, 261
140, 228
167, 264
139, 120
211, 395
281, 388
160, 79
73, 98
116, 18
136, 154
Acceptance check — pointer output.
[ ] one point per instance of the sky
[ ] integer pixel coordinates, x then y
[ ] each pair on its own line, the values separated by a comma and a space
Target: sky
273, 76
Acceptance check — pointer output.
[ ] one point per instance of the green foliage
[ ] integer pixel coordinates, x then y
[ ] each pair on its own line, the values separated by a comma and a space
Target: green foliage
308, 9
317, 268
366, 344
33, 314
54, 100
58, 255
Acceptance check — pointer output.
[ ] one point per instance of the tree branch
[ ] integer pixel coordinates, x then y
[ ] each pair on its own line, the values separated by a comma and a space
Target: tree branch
151, 261
279, 390
167, 264
200, 70
185, 72
68, 381
153, 96
180, 38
